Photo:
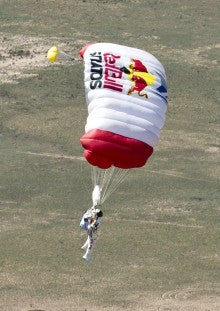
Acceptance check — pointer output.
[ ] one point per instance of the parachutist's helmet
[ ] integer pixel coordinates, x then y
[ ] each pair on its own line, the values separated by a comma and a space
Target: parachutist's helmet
99, 213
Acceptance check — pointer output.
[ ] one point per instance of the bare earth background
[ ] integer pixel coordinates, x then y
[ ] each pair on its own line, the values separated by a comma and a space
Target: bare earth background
158, 247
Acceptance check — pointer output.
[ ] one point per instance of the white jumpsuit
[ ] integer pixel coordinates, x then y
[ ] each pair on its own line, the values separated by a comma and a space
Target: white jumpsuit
90, 222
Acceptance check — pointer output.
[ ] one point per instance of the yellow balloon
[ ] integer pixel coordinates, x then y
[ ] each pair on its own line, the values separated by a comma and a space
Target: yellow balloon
52, 54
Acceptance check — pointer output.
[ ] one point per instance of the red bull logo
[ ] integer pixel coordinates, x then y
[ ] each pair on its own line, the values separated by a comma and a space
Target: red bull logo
138, 74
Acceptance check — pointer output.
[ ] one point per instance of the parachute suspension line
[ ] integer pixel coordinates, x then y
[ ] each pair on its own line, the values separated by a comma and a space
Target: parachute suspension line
97, 176
117, 177
108, 180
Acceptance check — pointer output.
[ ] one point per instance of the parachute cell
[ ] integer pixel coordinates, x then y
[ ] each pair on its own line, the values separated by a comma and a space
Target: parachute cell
126, 95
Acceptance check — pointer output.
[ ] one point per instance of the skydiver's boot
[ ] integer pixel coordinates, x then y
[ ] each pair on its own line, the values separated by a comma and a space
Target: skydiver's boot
87, 256
85, 245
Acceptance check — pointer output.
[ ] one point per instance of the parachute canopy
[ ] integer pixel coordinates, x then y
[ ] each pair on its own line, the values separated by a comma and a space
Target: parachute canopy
126, 94
55, 54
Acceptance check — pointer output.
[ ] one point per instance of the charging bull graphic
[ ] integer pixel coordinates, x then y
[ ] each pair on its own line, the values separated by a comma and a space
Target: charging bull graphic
139, 75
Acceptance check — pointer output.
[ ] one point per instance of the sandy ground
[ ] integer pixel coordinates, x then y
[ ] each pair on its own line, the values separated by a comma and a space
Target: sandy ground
14, 60
19, 53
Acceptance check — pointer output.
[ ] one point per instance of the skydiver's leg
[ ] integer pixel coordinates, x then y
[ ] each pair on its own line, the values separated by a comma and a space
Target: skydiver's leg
85, 245
92, 241
91, 244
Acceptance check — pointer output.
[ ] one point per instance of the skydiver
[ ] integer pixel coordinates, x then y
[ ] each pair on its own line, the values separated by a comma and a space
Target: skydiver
90, 223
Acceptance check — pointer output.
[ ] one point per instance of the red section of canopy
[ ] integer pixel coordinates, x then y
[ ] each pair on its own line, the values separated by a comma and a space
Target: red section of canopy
82, 51
104, 149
